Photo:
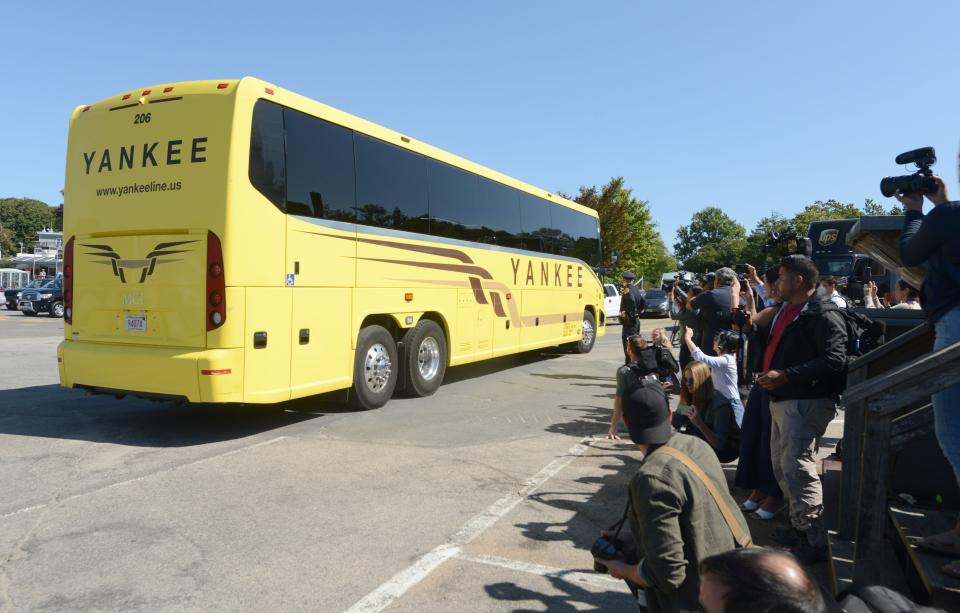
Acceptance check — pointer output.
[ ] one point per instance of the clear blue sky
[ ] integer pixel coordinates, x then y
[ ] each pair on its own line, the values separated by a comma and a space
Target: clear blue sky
752, 107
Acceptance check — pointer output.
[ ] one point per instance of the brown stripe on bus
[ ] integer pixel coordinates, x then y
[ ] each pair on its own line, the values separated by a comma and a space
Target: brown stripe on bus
497, 305
472, 270
448, 253
478, 290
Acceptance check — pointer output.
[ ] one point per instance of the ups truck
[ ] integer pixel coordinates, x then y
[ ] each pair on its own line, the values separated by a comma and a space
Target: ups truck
836, 258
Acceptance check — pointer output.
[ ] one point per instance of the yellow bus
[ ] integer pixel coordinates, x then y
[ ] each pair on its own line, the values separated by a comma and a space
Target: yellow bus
234, 242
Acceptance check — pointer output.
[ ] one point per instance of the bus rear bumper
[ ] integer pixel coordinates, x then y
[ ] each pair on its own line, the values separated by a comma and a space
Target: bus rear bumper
204, 375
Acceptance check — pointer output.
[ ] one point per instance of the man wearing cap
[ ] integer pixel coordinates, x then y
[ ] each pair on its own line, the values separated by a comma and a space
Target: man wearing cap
675, 520
631, 305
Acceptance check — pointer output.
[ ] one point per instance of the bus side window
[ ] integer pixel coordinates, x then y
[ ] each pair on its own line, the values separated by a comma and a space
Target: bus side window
454, 210
500, 210
535, 223
391, 186
320, 172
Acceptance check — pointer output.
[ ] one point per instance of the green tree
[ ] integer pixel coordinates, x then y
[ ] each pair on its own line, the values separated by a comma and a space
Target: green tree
627, 226
756, 251
819, 210
23, 218
712, 239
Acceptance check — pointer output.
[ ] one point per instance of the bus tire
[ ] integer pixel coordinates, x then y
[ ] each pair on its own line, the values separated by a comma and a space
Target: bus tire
375, 368
589, 336
425, 359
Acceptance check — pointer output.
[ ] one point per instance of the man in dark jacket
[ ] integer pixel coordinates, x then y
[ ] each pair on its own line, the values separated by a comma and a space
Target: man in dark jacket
804, 358
716, 308
631, 306
675, 521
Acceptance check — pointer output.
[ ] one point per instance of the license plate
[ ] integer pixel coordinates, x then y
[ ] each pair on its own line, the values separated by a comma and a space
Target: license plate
136, 323
26, 306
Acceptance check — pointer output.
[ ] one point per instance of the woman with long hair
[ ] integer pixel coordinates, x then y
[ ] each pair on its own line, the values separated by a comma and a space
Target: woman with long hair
706, 414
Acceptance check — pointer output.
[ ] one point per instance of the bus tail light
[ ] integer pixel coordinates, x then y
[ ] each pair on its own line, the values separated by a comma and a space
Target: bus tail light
68, 282
216, 285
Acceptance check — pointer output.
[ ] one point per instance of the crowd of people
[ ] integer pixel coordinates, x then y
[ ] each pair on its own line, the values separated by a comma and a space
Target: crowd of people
762, 365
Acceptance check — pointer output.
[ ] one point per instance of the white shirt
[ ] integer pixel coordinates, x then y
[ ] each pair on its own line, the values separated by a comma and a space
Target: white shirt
723, 371
838, 300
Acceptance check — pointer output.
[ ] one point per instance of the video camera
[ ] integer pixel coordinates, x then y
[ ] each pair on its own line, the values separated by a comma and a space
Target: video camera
777, 240
920, 182
681, 285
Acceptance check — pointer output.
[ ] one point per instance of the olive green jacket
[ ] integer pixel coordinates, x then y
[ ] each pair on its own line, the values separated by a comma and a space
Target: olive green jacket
676, 523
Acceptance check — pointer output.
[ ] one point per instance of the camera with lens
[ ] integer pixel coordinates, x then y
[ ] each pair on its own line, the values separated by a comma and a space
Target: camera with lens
920, 182
605, 549
681, 285
778, 242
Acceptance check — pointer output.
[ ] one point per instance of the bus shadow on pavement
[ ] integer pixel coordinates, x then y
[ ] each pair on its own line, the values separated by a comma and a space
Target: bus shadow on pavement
495, 365
50, 411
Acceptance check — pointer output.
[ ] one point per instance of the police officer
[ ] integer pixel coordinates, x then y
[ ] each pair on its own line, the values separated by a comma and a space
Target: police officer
631, 305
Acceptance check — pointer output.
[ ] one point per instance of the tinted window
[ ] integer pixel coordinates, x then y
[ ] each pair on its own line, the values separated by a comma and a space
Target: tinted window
500, 210
391, 186
266, 151
320, 181
453, 202
578, 235
537, 229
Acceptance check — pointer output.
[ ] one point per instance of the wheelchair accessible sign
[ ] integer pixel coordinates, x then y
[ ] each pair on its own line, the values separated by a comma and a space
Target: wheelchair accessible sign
291, 279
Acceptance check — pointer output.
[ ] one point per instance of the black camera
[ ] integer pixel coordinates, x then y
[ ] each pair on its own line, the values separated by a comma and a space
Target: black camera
778, 241
920, 182
605, 549
681, 285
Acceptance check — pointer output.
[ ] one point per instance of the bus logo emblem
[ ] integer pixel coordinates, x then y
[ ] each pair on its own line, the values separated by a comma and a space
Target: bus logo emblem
146, 265
828, 237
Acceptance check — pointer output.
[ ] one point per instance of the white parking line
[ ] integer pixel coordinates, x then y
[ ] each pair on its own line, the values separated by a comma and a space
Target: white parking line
400, 583
603, 582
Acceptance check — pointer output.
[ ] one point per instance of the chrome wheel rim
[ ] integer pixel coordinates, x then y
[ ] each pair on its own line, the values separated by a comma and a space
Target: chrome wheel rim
588, 333
58, 310
377, 368
428, 358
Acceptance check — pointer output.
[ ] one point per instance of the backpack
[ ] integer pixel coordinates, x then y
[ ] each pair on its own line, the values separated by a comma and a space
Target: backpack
863, 333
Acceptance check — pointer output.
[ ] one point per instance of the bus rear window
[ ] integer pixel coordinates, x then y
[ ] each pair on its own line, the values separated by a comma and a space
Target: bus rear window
267, 166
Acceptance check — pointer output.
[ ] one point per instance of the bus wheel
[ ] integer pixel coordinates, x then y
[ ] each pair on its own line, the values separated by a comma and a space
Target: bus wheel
425, 363
589, 336
374, 368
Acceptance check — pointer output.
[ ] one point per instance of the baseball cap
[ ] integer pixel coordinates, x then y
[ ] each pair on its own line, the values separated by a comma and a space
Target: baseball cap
647, 414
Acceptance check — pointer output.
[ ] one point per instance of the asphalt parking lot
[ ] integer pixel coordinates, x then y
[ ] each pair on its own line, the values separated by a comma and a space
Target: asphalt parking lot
485, 496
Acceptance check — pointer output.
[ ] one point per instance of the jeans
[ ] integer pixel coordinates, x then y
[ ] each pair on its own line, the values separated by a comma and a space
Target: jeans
755, 469
946, 403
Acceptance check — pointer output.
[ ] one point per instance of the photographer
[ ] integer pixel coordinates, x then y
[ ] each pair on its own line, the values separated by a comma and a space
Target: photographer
933, 239
632, 305
716, 307
686, 318
674, 515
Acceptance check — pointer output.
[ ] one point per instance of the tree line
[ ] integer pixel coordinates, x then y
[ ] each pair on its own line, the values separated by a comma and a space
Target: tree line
713, 239
21, 219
